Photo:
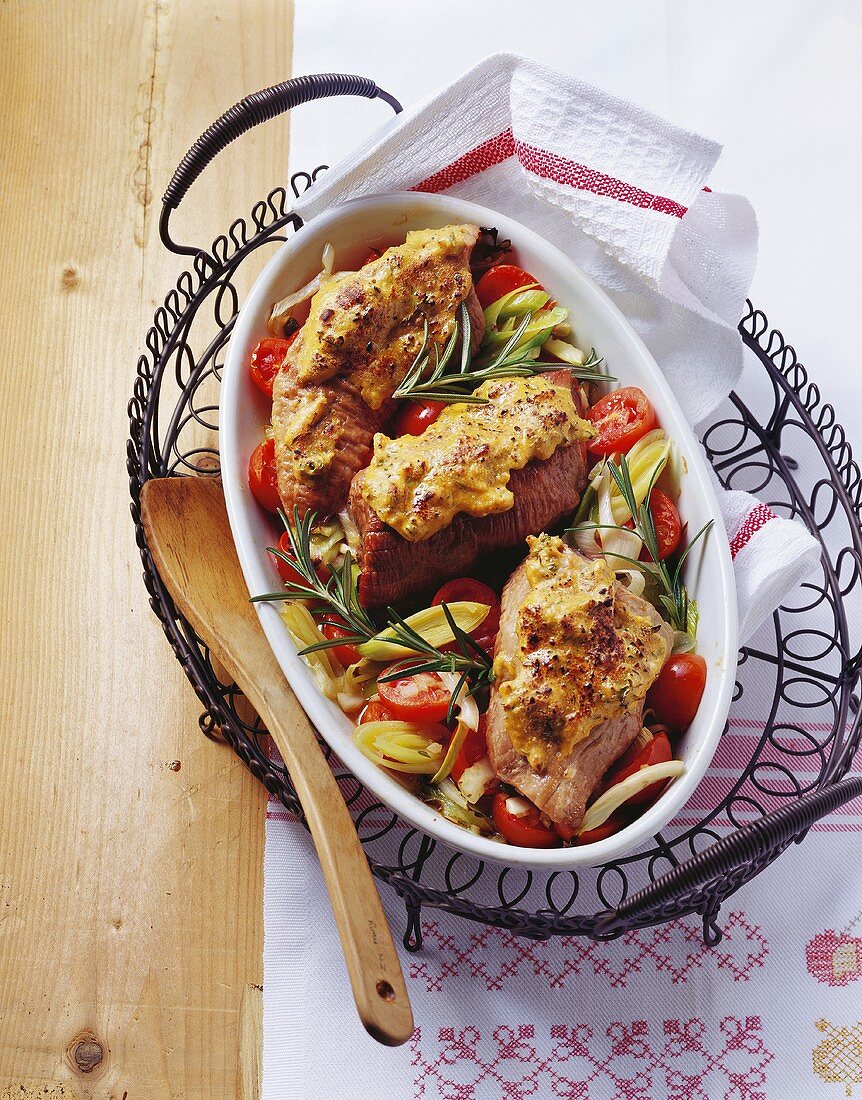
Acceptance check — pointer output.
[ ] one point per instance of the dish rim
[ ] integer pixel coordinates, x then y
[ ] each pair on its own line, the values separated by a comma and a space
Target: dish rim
268, 287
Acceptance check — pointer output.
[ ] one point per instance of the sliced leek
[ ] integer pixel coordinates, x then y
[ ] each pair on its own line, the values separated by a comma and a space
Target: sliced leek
475, 780
468, 719
324, 667
537, 330
568, 353
431, 624
646, 460
448, 800
524, 300
358, 684
621, 792
325, 541
400, 746
492, 313
455, 746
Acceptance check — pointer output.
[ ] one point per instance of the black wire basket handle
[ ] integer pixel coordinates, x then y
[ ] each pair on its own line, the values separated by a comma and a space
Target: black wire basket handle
745, 852
243, 116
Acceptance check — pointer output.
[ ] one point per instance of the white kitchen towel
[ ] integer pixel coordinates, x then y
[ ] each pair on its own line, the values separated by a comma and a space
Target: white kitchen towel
617, 188
623, 192
771, 1013
771, 556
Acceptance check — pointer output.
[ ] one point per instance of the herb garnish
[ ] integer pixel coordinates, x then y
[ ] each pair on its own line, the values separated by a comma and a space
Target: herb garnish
337, 598
681, 610
472, 662
430, 377
337, 595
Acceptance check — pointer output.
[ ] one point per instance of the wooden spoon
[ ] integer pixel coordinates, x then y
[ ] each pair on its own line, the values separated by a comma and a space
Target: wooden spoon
190, 539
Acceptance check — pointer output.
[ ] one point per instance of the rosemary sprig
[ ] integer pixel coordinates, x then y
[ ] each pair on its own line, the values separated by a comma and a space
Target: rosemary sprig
471, 663
681, 610
516, 359
419, 385
338, 597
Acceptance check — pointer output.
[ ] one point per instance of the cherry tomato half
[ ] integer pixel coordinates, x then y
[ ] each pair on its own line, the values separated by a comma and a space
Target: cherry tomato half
472, 591
601, 832
266, 360
375, 711
668, 526
415, 416
474, 748
262, 478
501, 280
665, 517
419, 698
345, 654
622, 418
676, 694
657, 751
288, 572
526, 831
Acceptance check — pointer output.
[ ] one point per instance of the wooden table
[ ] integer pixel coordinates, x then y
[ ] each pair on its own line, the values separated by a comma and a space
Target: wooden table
131, 855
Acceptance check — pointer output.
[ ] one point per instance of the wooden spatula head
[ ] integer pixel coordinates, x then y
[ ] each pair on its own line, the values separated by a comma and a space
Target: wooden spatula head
189, 536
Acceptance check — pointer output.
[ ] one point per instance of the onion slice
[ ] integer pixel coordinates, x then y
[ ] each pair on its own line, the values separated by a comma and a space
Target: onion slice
468, 719
282, 310
621, 792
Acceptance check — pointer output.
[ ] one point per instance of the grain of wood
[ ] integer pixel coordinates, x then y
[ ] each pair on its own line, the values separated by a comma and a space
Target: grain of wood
130, 892
251, 1044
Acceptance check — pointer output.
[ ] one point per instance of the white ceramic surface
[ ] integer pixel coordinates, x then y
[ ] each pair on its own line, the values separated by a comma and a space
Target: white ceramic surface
597, 323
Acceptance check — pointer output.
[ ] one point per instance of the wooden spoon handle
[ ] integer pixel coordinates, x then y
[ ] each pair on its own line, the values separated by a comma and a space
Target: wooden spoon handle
372, 961
207, 586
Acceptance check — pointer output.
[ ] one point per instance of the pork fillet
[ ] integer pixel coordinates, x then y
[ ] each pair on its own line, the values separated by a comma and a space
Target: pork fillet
363, 332
563, 785
392, 569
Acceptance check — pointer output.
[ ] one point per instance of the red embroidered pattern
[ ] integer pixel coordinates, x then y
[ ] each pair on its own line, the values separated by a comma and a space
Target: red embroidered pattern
687, 1061
494, 957
547, 165
758, 517
834, 958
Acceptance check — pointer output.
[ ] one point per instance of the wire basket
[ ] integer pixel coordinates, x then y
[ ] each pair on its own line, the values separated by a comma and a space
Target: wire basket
775, 436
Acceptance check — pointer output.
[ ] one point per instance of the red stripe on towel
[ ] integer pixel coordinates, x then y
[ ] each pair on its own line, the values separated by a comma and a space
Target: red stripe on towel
546, 165
758, 517
493, 151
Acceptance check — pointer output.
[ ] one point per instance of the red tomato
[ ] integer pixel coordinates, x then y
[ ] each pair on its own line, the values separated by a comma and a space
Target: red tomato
657, 751
472, 591
613, 825
373, 254
266, 360
676, 694
668, 527
375, 711
415, 416
527, 831
289, 573
419, 698
345, 654
472, 751
262, 479
622, 418
501, 280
